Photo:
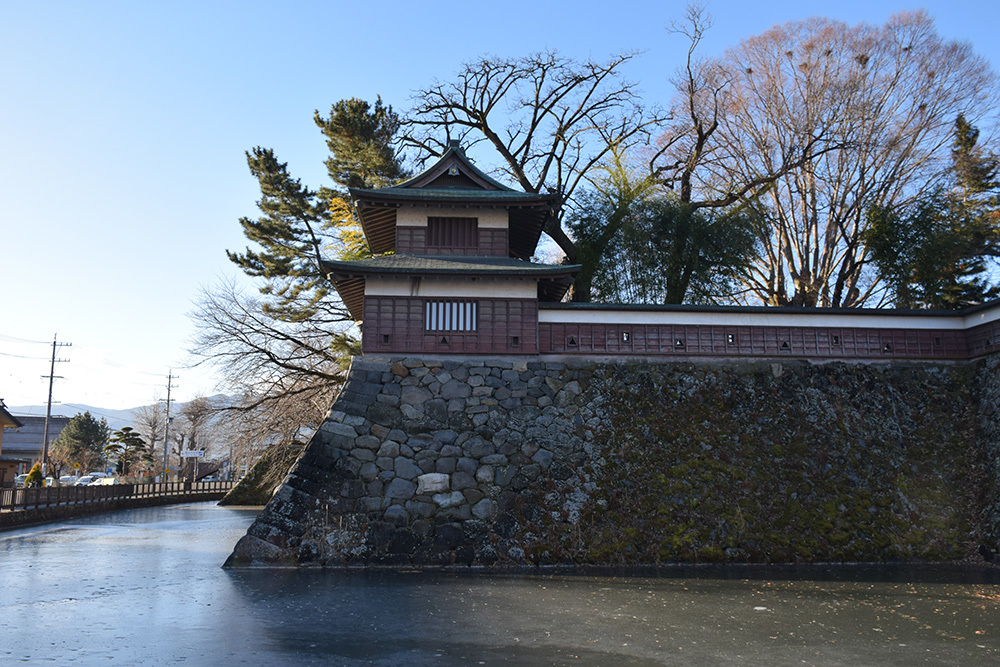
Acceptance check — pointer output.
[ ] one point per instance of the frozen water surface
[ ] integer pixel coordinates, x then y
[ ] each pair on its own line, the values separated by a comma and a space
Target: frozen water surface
145, 587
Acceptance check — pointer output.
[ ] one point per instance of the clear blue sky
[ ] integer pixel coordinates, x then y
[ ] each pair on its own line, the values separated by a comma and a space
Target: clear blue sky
123, 127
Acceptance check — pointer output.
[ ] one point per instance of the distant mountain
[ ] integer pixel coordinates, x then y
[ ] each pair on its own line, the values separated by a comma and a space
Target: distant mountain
116, 418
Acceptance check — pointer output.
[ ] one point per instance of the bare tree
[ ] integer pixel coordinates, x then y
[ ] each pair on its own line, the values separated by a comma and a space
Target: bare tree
284, 374
149, 421
870, 109
261, 356
194, 429
551, 119
285, 419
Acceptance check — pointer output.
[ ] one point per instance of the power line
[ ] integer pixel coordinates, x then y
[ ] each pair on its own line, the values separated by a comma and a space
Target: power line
15, 339
21, 356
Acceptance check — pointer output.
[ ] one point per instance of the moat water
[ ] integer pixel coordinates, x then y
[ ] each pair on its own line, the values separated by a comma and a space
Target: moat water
146, 587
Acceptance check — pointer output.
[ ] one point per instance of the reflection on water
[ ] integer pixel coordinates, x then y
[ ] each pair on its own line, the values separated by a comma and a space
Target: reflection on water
145, 587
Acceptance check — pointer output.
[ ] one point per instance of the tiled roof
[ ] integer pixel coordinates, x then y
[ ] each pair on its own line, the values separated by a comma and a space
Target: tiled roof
452, 265
349, 277
454, 154
452, 195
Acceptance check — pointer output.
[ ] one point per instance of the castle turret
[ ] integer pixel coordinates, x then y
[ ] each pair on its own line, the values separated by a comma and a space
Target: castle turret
452, 273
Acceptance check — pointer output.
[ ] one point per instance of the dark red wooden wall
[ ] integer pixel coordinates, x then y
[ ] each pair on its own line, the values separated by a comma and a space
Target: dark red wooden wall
510, 326
455, 237
750, 341
396, 325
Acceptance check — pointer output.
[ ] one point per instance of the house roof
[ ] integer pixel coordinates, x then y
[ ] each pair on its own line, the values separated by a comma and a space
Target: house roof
27, 439
453, 181
349, 277
8, 420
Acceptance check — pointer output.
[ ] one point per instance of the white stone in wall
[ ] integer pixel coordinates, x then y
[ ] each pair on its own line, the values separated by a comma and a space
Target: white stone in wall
432, 482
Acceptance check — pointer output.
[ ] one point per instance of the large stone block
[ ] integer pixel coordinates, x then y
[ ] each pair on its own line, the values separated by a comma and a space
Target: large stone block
455, 389
432, 483
401, 489
406, 468
414, 396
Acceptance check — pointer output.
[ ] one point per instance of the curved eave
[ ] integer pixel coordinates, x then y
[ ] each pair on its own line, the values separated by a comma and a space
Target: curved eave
352, 293
349, 279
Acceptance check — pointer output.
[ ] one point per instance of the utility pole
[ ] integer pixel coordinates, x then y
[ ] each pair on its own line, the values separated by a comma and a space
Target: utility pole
48, 410
166, 426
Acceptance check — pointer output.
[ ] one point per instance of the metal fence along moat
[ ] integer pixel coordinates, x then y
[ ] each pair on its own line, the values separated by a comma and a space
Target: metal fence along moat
56, 496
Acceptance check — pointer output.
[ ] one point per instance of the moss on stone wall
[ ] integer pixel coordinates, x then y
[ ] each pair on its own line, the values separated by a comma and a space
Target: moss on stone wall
786, 463
264, 476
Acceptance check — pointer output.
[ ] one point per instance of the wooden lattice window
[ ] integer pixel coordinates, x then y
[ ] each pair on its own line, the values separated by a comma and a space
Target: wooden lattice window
450, 316
456, 234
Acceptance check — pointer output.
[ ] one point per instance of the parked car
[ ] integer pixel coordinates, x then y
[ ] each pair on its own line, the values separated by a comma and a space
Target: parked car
84, 481
19, 480
97, 474
67, 480
106, 481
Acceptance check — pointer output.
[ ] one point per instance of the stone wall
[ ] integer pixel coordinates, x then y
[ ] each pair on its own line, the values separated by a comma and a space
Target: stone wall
510, 463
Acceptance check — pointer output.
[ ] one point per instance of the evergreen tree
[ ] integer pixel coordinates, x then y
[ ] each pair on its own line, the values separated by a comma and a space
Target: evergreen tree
34, 478
937, 254
285, 351
360, 138
297, 225
129, 447
640, 244
82, 441
289, 234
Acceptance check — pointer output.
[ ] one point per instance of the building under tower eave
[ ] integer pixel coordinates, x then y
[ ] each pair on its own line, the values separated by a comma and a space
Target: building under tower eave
453, 273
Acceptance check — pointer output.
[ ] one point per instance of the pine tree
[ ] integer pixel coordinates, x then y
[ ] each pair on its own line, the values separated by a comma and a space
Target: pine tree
289, 235
129, 447
81, 441
298, 225
937, 254
360, 138
284, 352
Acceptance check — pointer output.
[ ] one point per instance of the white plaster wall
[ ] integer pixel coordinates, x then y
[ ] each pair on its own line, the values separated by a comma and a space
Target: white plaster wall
982, 317
416, 216
754, 319
505, 288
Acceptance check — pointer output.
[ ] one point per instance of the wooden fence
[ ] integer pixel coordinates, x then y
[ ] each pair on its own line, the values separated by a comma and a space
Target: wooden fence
60, 496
